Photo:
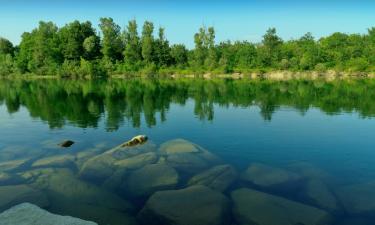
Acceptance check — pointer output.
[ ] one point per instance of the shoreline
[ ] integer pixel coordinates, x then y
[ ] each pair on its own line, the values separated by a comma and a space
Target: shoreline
273, 75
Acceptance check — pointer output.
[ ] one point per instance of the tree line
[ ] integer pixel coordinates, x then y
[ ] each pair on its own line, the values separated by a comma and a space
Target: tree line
78, 49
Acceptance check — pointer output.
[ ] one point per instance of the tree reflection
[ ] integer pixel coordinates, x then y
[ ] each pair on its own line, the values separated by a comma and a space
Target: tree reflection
84, 102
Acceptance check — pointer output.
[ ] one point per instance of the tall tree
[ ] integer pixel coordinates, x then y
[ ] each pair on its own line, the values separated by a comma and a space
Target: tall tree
6, 47
132, 51
112, 45
162, 49
147, 41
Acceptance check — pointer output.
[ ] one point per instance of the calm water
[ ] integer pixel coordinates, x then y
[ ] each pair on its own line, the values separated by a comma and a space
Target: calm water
321, 131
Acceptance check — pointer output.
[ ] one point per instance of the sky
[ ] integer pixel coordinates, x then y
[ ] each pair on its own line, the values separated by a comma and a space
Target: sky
232, 19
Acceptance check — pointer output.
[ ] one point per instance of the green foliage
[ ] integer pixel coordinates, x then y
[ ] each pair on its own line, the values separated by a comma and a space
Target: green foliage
77, 48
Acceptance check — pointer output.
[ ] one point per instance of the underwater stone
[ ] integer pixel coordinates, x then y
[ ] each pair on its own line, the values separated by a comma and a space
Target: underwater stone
254, 207
64, 189
198, 205
15, 194
55, 161
29, 214
358, 198
318, 193
151, 178
270, 177
186, 156
138, 161
66, 144
12, 165
217, 178
100, 167
9, 179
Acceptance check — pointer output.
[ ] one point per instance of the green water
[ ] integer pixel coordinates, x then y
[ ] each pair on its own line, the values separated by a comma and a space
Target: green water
306, 146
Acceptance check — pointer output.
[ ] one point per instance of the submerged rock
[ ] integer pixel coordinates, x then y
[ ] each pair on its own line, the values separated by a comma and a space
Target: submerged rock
28, 214
198, 205
151, 178
358, 198
55, 161
9, 179
64, 190
254, 207
13, 164
137, 161
186, 156
270, 177
15, 194
217, 178
66, 144
101, 167
317, 193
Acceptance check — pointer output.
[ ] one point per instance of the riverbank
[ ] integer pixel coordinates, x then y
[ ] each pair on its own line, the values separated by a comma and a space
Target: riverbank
272, 75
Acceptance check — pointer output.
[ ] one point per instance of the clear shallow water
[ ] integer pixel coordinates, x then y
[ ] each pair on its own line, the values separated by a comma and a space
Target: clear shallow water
315, 129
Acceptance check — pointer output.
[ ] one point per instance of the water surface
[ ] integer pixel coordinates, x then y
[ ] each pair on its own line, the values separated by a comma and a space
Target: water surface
319, 130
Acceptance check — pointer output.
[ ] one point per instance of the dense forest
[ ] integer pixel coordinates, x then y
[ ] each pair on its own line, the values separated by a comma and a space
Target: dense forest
84, 102
78, 50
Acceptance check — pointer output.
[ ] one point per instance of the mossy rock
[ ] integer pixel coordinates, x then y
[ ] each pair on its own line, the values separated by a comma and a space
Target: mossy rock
55, 161
9, 179
137, 161
13, 164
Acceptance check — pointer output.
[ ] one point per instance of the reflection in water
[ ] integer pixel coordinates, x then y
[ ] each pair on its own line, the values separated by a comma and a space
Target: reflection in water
120, 185
83, 102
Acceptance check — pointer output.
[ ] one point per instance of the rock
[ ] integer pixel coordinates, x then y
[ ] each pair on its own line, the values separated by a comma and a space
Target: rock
268, 177
317, 193
137, 140
198, 205
308, 170
28, 214
186, 156
151, 178
55, 161
13, 164
254, 207
102, 166
138, 161
217, 178
114, 182
178, 146
8, 179
98, 214
358, 198
66, 144
15, 194
64, 190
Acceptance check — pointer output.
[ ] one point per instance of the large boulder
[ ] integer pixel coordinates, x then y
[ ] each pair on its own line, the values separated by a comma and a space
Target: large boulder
358, 198
151, 178
16, 194
254, 207
271, 178
28, 214
102, 166
198, 205
186, 156
217, 178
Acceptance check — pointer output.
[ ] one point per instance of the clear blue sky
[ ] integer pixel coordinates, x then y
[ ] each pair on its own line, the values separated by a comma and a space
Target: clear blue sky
233, 19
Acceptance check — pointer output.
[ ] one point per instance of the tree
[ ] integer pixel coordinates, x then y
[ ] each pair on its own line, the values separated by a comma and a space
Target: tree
72, 37
112, 45
162, 49
132, 51
179, 54
147, 42
6, 47
91, 46
211, 61
271, 43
